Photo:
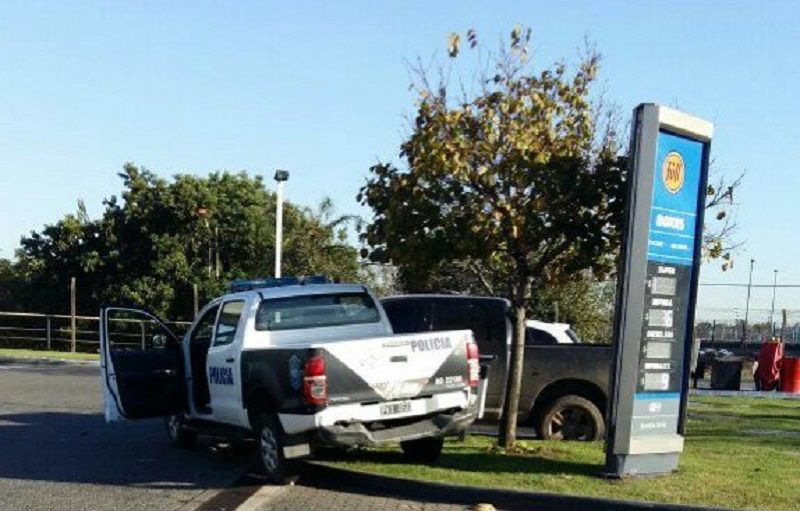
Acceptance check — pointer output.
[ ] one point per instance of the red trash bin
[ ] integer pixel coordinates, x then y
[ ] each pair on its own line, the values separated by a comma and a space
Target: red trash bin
790, 375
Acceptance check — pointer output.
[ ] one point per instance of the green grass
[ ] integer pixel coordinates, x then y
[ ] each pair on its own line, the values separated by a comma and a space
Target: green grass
15, 353
739, 453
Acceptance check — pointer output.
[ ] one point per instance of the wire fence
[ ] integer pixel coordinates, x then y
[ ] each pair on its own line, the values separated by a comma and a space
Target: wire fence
61, 332
750, 326
58, 332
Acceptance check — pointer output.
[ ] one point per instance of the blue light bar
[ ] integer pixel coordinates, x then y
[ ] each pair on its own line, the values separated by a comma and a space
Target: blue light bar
247, 284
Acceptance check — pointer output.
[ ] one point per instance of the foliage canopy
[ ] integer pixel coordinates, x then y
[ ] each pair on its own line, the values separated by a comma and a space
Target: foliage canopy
164, 236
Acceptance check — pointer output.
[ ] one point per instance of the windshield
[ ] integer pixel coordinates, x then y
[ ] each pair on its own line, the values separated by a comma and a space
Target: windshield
313, 311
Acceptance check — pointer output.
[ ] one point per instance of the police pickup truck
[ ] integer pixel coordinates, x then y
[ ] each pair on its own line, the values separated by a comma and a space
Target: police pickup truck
295, 366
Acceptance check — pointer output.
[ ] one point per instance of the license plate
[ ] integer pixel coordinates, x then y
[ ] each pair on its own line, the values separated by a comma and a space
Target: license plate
395, 408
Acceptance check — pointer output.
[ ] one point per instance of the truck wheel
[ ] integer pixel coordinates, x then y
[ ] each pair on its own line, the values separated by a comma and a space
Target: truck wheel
572, 418
179, 436
270, 441
424, 450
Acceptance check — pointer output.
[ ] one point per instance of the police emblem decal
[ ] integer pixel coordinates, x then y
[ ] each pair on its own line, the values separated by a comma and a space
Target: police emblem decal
295, 372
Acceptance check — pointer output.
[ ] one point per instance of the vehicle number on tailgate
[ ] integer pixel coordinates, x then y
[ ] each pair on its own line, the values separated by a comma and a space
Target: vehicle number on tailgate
395, 408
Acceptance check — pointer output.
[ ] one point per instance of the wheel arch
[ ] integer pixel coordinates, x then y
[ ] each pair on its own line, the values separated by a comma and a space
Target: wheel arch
560, 388
260, 399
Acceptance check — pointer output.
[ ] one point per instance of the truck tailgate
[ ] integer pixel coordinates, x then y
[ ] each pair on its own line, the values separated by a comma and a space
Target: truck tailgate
396, 367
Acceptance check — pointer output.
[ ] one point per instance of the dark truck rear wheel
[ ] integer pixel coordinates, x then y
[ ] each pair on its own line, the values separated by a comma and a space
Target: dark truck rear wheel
424, 450
572, 418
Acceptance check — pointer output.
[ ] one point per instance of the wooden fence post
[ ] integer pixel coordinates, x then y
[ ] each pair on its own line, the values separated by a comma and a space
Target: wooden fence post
196, 300
49, 337
72, 313
141, 324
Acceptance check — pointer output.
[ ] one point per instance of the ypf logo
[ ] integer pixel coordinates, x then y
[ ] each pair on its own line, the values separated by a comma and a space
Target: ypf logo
673, 172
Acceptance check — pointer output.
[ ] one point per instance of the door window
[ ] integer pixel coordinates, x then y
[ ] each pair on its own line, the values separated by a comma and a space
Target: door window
205, 326
228, 322
134, 330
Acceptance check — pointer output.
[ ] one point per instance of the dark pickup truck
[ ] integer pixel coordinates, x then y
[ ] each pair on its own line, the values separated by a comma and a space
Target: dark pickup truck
564, 386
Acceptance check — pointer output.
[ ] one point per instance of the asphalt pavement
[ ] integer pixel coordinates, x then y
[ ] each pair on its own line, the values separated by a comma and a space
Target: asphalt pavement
57, 452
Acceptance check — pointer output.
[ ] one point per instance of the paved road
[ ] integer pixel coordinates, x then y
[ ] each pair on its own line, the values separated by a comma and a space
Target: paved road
306, 498
56, 452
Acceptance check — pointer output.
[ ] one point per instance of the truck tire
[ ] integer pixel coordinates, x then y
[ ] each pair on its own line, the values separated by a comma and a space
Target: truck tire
270, 442
571, 417
424, 450
179, 436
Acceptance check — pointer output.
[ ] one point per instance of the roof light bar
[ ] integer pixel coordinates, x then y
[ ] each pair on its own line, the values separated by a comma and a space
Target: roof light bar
250, 284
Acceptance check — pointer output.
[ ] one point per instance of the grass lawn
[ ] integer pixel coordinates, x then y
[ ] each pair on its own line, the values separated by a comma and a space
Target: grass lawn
739, 453
7, 352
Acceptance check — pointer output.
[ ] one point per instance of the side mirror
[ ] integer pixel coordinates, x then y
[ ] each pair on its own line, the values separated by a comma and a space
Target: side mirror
159, 341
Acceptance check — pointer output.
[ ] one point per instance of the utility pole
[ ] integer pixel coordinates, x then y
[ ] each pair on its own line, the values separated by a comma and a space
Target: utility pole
202, 212
281, 176
783, 325
747, 306
713, 332
195, 300
772, 309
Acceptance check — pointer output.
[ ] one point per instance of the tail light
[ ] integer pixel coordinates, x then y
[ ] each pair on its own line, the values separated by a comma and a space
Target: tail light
315, 382
473, 364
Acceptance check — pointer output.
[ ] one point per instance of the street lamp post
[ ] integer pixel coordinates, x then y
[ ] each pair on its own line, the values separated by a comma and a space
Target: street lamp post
281, 176
202, 212
747, 306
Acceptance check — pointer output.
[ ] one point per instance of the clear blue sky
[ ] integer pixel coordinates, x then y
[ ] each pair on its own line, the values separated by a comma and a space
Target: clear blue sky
321, 89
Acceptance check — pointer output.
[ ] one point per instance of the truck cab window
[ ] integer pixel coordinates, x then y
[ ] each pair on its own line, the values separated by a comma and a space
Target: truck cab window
536, 337
405, 317
315, 311
457, 315
228, 322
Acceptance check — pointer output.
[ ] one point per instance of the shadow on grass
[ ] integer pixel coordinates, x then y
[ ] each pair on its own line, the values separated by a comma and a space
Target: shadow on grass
467, 459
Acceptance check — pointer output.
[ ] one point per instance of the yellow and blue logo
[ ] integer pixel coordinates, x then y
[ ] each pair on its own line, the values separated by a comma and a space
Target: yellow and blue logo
673, 172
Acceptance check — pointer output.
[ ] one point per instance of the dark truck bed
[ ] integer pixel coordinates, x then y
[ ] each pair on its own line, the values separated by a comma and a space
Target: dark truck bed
564, 386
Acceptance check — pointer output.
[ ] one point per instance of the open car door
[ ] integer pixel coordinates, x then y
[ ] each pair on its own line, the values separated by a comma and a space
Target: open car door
142, 367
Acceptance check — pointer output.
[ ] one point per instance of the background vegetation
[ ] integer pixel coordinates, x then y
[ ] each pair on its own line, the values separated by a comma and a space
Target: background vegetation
161, 237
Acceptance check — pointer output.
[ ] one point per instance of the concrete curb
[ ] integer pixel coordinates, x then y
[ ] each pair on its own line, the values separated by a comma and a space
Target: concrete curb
47, 361
334, 478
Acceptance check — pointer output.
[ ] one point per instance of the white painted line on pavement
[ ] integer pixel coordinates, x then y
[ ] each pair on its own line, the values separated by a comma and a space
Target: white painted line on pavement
261, 497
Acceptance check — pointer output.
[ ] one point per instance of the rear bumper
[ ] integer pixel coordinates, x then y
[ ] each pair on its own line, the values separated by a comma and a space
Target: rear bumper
352, 424
439, 425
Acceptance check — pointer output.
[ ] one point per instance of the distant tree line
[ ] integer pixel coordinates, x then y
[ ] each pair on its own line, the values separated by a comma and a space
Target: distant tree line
162, 237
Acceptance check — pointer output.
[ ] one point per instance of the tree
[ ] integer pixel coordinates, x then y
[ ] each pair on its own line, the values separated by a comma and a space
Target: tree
164, 236
520, 178
719, 235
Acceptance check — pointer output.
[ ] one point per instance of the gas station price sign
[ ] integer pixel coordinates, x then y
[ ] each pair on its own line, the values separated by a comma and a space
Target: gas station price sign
657, 290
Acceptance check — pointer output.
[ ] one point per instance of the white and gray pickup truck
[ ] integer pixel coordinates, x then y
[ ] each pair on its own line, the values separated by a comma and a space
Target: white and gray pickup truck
293, 366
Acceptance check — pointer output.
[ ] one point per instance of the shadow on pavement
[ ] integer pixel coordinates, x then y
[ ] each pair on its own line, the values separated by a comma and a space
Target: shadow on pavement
82, 448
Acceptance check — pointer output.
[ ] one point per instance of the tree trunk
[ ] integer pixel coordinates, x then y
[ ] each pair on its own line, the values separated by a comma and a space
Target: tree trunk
508, 425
